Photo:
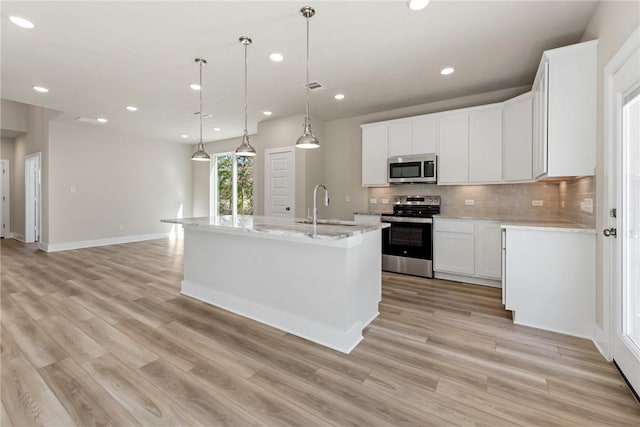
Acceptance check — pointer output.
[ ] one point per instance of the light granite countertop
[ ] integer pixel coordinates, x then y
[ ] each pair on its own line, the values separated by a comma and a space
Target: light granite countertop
281, 227
529, 224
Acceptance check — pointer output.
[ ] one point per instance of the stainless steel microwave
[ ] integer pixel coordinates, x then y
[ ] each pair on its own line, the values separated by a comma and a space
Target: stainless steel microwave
412, 169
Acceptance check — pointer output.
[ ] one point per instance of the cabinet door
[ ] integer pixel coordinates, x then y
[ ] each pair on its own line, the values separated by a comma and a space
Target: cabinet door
399, 139
453, 148
540, 129
485, 145
454, 252
374, 156
517, 138
423, 135
488, 250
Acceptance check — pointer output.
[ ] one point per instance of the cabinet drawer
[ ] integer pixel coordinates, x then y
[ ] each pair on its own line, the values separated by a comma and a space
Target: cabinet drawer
452, 226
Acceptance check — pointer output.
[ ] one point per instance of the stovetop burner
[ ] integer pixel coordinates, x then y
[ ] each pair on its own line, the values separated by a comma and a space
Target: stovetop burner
416, 206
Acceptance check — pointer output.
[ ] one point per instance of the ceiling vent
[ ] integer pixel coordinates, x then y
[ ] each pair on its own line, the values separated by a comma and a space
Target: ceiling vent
315, 86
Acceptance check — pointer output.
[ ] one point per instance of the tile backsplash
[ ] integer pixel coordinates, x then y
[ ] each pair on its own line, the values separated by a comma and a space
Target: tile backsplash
500, 201
576, 196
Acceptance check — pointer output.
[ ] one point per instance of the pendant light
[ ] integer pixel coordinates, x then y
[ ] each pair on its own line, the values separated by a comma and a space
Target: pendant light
200, 154
307, 139
245, 149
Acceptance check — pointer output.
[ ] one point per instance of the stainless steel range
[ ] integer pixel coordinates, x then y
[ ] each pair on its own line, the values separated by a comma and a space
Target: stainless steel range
407, 245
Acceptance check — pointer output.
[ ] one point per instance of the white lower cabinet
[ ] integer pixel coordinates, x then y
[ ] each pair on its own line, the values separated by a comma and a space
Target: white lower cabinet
549, 278
467, 250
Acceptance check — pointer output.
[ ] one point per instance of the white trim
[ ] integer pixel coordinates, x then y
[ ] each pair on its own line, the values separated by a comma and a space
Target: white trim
55, 247
603, 337
6, 203
29, 234
17, 236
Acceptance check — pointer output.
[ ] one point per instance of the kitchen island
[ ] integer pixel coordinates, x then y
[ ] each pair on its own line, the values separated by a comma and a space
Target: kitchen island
321, 282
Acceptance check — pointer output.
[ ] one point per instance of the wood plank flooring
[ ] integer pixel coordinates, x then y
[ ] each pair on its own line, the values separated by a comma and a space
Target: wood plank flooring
102, 336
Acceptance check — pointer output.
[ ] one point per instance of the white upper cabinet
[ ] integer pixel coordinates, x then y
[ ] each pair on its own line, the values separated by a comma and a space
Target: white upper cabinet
485, 144
564, 134
453, 148
517, 123
424, 135
400, 139
374, 156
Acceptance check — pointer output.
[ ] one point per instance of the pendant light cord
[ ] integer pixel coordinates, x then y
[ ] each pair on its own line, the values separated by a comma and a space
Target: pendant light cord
245, 89
307, 116
200, 102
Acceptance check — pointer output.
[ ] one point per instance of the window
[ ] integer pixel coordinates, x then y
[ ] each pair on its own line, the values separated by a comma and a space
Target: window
231, 184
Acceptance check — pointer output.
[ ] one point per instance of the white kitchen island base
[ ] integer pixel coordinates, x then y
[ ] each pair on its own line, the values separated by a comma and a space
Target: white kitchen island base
324, 290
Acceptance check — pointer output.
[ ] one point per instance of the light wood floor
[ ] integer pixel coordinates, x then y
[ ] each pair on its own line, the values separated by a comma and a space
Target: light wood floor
102, 336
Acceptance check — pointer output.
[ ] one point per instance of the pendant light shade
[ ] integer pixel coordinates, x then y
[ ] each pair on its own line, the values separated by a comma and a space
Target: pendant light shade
307, 139
200, 154
245, 149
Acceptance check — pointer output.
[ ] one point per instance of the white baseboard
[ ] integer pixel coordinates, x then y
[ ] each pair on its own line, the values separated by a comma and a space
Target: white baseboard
602, 342
56, 247
16, 236
494, 283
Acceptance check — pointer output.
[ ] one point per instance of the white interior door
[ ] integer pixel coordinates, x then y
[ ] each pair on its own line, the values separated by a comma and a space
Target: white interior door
32, 198
5, 199
624, 221
279, 182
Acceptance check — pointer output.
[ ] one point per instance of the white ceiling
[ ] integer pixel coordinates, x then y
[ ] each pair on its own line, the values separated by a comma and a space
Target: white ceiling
97, 57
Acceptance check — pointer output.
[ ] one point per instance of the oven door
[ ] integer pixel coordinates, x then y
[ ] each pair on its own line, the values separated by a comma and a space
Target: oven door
407, 246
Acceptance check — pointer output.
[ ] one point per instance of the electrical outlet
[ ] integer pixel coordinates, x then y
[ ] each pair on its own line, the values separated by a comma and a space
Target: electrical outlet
562, 204
373, 201
537, 203
121, 227
385, 201
469, 202
347, 198
586, 205
72, 189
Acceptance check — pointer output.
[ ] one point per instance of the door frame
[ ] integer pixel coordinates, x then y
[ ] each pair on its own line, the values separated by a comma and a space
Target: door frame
267, 189
603, 337
6, 201
29, 212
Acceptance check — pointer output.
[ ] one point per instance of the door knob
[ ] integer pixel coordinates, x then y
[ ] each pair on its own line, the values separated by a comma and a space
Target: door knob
287, 208
609, 232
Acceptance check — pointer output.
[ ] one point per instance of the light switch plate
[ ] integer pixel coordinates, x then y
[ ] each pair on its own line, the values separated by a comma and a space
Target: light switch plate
537, 203
470, 202
347, 198
586, 205
373, 201
385, 201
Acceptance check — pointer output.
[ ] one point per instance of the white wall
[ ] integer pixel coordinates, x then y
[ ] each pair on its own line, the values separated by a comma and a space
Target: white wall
612, 24
119, 179
14, 116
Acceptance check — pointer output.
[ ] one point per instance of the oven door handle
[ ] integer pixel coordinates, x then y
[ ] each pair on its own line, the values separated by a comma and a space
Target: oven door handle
406, 219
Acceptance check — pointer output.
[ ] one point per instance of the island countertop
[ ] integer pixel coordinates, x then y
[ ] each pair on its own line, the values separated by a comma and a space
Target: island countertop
281, 227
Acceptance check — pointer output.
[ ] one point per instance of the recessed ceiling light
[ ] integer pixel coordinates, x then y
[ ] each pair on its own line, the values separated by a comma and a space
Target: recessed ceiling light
339, 96
184, 135
131, 108
21, 22
102, 120
446, 71
267, 113
417, 4
276, 57
40, 89
195, 86
216, 129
